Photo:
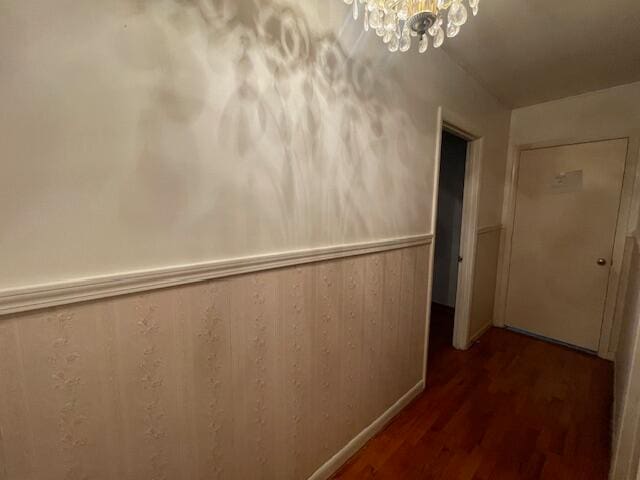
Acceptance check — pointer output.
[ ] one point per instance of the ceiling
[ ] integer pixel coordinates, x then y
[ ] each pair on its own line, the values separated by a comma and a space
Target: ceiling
527, 52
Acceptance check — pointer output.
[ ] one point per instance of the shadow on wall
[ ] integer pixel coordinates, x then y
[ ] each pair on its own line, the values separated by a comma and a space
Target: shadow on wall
306, 140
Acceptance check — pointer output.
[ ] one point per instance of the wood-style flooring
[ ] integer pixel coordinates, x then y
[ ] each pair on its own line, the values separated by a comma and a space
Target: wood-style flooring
512, 407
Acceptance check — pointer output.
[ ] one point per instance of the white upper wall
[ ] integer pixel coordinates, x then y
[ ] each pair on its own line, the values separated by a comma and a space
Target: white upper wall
614, 112
145, 134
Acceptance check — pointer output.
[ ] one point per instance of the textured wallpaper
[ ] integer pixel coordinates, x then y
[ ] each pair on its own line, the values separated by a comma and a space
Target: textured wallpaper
264, 375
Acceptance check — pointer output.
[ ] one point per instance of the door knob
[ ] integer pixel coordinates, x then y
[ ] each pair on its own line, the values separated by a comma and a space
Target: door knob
602, 262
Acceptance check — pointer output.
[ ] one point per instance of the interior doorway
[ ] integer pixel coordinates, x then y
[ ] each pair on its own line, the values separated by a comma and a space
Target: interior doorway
566, 210
448, 257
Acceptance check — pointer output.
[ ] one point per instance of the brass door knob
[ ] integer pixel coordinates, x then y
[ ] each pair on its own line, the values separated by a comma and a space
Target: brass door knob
602, 262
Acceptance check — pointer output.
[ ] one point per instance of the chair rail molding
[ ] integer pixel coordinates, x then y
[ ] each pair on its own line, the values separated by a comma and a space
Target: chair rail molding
22, 299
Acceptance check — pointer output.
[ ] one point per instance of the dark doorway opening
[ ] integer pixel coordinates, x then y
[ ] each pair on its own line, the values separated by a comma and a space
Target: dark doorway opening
453, 159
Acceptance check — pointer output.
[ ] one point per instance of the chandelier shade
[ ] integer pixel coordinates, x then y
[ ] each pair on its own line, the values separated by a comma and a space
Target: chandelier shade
398, 22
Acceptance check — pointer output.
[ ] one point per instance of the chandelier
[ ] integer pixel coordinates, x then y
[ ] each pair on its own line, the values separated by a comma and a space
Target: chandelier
398, 21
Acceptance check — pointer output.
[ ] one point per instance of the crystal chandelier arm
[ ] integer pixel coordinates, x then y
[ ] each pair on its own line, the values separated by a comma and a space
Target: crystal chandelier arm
395, 4
397, 21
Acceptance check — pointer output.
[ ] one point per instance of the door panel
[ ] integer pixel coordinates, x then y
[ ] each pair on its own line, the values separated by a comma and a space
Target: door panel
566, 211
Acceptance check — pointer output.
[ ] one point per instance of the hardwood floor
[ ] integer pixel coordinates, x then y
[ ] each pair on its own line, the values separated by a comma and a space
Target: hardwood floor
511, 407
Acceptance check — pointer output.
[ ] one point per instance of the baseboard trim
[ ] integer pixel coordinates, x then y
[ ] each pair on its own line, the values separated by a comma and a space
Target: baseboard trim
340, 458
80, 290
480, 332
542, 338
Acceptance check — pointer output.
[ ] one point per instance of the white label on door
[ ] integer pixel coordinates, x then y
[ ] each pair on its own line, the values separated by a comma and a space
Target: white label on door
567, 182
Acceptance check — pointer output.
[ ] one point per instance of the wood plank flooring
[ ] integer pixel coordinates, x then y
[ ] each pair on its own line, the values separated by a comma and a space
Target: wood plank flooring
512, 407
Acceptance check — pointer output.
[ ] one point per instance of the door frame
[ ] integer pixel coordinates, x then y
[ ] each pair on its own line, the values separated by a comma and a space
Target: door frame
449, 121
607, 343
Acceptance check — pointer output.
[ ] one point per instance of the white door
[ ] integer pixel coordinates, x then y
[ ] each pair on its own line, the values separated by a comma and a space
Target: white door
567, 203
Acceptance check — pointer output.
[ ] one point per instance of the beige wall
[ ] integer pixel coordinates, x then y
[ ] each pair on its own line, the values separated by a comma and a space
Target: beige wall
264, 375
605, 114
612, 113
488, 250
144, 134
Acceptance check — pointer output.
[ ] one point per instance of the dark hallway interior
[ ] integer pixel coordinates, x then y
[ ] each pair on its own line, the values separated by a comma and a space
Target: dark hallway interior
440, 332
451, 184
